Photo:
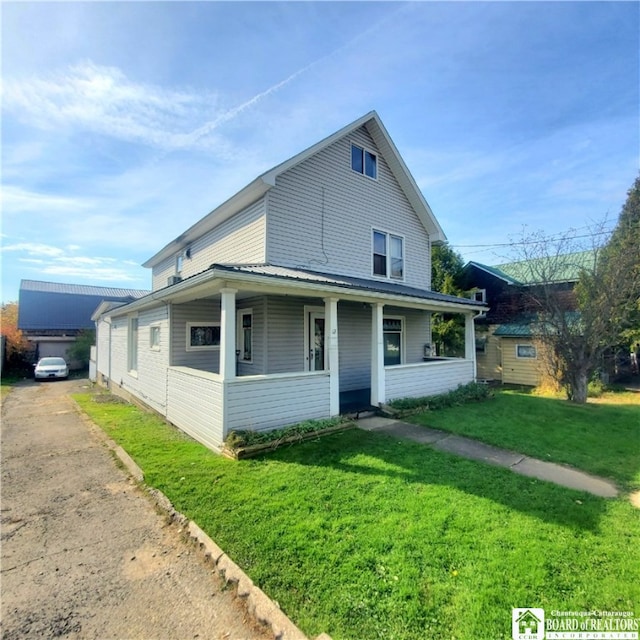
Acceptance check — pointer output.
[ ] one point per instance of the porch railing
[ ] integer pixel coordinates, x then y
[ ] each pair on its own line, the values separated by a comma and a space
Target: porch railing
195, 404
276, 400
427, 378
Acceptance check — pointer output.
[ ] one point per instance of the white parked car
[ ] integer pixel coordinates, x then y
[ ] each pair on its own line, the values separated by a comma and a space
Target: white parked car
51, 368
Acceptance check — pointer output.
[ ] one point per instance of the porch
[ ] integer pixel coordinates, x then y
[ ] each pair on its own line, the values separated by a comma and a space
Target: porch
252, 352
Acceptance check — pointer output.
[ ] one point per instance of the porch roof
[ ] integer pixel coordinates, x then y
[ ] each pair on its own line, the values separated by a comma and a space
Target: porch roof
348, 282
275, 279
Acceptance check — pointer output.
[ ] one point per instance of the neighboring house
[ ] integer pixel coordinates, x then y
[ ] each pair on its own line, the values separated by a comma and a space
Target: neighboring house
304, 295
51, 314
508, 349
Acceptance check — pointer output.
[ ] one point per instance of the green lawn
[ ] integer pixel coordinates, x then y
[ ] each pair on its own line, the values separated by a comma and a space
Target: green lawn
365, 537
602, 437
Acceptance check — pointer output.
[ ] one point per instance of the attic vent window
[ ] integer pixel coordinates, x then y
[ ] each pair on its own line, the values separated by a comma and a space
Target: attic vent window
364, 162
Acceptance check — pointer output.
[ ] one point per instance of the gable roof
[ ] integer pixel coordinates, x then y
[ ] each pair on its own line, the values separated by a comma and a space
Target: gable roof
256, 189
51, 306
551, 269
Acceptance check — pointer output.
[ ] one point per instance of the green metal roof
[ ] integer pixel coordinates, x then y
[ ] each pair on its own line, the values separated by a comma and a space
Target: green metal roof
528, 325
563, 268
514, 330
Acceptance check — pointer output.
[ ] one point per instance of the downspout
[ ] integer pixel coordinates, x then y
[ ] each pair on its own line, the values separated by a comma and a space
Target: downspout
97, 367
482, 314
109, 368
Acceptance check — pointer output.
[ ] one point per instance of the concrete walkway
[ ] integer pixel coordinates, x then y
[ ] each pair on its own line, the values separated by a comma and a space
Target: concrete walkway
469, 448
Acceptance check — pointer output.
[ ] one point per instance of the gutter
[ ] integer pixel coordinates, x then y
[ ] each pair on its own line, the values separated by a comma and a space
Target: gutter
222, 275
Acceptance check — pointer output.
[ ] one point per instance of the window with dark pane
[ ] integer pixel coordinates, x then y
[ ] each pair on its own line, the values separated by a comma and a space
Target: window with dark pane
397, 258
392, 331
357, 158
370, 165
247, 337
379, 253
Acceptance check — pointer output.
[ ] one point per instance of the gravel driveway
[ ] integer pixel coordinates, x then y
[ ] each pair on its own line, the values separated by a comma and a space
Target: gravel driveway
84, 552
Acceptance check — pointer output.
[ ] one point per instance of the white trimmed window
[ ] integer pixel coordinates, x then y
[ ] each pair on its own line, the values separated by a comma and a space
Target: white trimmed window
132, 345
154, 337
203, 336
479, 295
526, 351
364, 162
245, 335
388, 255
393, 340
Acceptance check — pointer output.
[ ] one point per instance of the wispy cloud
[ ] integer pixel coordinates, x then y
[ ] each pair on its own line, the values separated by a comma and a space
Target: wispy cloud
104, 100
34, 249
17, 199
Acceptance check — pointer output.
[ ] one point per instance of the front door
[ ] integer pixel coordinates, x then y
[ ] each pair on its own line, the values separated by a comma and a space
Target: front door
316, 341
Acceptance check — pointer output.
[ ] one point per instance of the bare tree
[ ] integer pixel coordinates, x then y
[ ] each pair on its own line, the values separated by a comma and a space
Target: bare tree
581, 294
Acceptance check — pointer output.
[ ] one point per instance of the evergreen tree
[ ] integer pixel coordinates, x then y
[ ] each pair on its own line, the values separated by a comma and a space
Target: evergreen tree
447, 330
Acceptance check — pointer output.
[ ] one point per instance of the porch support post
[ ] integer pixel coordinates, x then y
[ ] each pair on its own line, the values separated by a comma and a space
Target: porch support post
470, 341
377, 355
331, 340
228, 333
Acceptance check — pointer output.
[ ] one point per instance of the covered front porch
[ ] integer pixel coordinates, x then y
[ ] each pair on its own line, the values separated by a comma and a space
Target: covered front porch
263, 352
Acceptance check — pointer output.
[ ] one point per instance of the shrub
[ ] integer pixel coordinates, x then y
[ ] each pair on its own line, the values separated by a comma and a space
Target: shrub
472, 392
246, 438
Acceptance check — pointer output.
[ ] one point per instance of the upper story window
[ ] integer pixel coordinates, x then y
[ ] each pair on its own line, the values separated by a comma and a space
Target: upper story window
388, 255
364, 162
479, 295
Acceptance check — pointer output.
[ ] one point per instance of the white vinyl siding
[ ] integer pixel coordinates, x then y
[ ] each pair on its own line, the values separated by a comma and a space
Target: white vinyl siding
162, 272
285, 333
241, 239
426, 379
321, 212
285, 337
195, 405
200, 311
271, 402
150, 380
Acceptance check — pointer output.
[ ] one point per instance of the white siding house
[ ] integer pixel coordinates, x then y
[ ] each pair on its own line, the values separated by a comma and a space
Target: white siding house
305, 294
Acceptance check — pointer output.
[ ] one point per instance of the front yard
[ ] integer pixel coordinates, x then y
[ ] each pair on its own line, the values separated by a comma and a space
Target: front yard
364, 536
602, 437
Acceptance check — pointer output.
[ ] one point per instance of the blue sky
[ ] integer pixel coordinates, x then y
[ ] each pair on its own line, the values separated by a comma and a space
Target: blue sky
124, 123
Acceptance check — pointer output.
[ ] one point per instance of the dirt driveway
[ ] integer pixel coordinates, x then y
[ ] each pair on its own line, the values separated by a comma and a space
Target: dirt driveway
84, 552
